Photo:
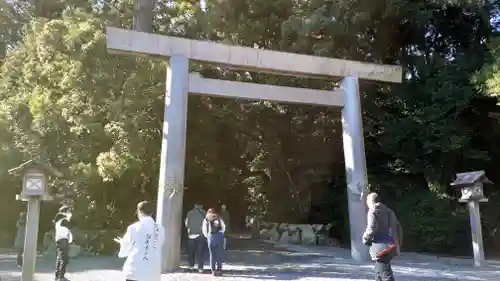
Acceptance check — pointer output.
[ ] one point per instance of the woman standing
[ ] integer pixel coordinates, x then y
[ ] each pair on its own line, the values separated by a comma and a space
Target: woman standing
213, 229
20, 234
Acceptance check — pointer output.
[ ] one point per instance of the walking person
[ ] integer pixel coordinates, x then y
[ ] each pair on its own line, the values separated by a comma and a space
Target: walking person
196, 240
20, 235
226, 218
142, 246
213, 229
383, 235
63, 238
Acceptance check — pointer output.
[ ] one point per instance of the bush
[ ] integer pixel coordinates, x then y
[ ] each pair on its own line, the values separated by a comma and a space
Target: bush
99, 242
434, 224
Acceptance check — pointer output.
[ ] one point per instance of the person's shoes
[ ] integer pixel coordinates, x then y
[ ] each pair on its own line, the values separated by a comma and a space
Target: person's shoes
219, 273
200, 270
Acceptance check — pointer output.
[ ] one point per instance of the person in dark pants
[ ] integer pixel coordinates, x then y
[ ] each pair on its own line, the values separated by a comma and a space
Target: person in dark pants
62, 260
20, 234
196, 252
383, 235
63, 238
213, 229
197, 242
383, 269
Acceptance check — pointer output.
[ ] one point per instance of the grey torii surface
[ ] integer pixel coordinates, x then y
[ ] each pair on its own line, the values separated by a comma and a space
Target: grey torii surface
179, 83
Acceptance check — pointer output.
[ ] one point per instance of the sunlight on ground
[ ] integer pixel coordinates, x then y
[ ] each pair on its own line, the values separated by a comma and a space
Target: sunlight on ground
278, 262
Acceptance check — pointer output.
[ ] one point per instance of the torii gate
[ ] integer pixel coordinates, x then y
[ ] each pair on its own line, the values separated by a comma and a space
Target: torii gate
180, 82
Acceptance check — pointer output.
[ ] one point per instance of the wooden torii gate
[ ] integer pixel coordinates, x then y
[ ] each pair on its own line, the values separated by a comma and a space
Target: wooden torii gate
179, 82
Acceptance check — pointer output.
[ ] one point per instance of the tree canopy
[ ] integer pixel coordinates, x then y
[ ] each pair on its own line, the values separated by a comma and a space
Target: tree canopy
97, 117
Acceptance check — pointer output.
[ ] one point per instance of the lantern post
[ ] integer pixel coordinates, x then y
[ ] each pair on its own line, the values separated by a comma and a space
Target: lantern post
471, 187
33, 191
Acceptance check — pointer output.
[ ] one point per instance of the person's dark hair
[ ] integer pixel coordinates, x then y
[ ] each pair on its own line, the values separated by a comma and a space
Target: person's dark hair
64, 209
145, 207
212, 210
376, 198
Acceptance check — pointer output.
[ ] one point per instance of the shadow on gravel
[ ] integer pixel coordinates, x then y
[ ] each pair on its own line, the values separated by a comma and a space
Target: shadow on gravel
257, 260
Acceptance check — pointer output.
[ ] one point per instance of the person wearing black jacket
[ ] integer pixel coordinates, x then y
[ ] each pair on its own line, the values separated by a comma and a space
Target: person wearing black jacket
63, 238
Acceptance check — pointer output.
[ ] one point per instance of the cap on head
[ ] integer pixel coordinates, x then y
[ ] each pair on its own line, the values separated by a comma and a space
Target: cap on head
64, 209
145, 208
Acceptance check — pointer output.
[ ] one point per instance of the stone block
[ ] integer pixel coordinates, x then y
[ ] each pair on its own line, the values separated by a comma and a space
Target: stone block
75, 251
50, 251
264, 234
306, 234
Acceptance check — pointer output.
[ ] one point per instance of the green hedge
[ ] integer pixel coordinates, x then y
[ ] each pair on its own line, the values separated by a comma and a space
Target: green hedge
434, 224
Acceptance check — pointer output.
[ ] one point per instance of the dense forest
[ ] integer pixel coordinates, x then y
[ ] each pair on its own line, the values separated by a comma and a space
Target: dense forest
97, 117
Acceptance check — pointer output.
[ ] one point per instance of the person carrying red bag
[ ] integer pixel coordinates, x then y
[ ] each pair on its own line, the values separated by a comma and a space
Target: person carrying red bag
383, 235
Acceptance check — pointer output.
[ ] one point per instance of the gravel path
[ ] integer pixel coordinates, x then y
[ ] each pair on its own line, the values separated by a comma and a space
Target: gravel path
264, 261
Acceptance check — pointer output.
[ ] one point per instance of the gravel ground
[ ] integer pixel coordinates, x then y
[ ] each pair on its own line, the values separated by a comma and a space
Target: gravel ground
255, 260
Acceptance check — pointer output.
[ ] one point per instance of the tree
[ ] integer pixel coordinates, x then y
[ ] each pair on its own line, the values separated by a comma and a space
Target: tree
99, 117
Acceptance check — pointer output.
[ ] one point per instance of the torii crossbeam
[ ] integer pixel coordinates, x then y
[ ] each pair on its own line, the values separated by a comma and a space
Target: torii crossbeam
180, 82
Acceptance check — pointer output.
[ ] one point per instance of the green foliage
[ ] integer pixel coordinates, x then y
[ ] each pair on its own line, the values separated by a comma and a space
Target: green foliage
98, 117
431, 135
434, 224
489, 77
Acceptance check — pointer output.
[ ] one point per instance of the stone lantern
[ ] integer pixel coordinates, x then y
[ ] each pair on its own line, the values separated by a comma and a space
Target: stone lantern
471, 187
33, 190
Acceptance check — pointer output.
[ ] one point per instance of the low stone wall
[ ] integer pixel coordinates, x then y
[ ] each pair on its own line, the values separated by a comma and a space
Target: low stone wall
86, 242
6, 240
49, 247
305, 234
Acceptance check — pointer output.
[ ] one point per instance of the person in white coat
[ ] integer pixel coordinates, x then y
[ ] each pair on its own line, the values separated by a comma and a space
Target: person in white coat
142, 246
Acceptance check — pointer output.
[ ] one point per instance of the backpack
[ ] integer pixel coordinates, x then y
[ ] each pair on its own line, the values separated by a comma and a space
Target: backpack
213, 226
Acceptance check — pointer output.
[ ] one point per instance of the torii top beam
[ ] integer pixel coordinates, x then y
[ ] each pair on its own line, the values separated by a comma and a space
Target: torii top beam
139, 43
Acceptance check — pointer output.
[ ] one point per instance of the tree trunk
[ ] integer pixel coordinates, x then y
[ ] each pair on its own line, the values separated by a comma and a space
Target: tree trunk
143, 15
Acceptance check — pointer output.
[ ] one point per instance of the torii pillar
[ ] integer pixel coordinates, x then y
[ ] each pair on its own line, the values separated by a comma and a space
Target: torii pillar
180, 82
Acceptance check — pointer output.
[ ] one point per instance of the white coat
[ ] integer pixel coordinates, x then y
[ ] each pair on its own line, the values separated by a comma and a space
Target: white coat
142, 246
62, 227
